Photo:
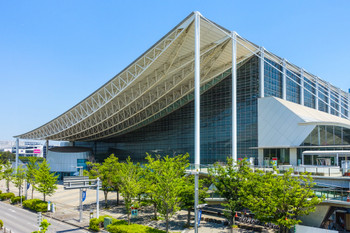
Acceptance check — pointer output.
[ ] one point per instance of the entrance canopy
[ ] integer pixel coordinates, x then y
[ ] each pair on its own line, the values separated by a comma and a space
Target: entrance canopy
331, 153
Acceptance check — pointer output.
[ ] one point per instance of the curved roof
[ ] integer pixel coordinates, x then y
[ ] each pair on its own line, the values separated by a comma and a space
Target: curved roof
155, 84
158, 82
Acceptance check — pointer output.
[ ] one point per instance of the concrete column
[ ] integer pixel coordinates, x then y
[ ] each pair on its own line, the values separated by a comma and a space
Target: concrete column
316, 93
284, 79
234, 96
293, 158
47, 148
329, 98
302, 87
261, 73
261, 157
17, 153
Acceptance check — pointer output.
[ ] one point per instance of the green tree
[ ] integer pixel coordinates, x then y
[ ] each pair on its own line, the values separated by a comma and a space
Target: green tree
46, 181
129, 186
230, 182
6, 156
43, 226
187, 195
111, 168
18, 179
7, 174
280, 199
169, 174
32, 168
101, 171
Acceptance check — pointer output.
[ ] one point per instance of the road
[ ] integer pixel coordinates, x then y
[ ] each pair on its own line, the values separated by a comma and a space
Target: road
23, 221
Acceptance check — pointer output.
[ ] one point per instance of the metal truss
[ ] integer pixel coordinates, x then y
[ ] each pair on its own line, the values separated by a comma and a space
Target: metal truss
89, 109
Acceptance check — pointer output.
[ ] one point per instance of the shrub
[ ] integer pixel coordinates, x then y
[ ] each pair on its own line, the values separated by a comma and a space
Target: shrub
95, 224
36, 205
15, 200
133, 228
1, 224
0, 192
6, 196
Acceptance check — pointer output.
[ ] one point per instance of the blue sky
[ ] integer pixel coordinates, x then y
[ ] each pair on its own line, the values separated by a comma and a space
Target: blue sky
53, 53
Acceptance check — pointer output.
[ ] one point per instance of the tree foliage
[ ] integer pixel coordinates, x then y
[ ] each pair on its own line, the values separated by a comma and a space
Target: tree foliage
280, 198
230, 183
7, 174
18, 179
32, 168
100, 170
46, 181
6, 156
187, 195
169, 175
129, 185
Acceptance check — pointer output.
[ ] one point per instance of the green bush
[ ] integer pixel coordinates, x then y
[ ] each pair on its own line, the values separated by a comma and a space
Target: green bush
133, 228
1, 224
36, 205
6, 196
95, 224
0, 192
15, 200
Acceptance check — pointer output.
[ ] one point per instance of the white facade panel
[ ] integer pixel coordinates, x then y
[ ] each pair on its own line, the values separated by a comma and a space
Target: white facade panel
65, 162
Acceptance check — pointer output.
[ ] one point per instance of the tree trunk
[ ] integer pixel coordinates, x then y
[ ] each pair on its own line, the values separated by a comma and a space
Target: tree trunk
128, 217
8, 186
117, 197
167, 222
233, 218
105, 194
32, 191
155, 211
44, 197
188, 216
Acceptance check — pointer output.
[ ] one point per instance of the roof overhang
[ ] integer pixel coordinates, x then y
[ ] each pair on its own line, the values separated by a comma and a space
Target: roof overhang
158, 82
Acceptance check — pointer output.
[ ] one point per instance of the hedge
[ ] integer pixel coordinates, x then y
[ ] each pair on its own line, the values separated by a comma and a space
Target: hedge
15, 200
6, 196
133, 228
1, 224
96, 224
36, 205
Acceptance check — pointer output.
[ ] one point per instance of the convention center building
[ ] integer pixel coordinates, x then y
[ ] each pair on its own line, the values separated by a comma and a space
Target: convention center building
281, 111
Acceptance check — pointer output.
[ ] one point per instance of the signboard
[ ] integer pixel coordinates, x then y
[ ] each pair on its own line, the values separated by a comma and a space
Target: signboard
37, 151
274, 161
77, 182
83, 196
199, 216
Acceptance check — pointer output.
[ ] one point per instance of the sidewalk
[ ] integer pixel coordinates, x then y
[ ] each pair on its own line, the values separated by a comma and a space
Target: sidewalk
67, 203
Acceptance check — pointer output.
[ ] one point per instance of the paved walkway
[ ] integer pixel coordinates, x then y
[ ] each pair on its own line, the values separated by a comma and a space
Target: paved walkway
67, 202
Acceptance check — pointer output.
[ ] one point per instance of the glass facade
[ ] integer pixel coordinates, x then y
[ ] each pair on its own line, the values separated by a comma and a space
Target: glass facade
174, 133
273, 78
324, 135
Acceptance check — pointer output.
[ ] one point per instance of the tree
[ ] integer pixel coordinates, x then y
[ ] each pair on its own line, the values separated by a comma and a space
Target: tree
187, 195
111, 168
100, 170
6, 156
46, 181
32, 168
229, 181
43, 226
169, 174
129, 186
280, 199
7, 174
18, 179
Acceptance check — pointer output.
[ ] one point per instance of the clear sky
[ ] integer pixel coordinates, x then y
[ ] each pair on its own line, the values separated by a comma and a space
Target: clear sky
55, 53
